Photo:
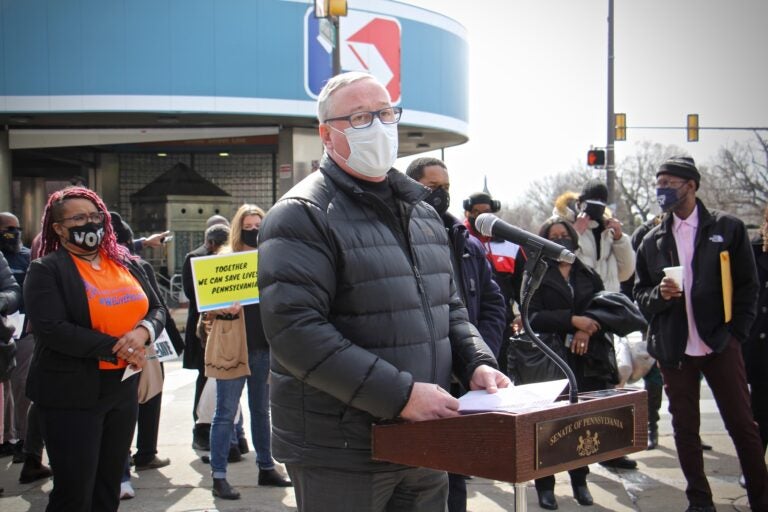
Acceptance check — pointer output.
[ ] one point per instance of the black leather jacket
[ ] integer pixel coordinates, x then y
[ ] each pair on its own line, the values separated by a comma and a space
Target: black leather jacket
668, 330
356, 311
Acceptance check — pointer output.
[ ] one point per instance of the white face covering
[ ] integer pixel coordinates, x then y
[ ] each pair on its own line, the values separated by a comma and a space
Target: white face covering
372, 150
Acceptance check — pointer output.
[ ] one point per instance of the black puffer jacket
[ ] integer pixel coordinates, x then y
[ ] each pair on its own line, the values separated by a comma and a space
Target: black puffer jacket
355, 313
668, 330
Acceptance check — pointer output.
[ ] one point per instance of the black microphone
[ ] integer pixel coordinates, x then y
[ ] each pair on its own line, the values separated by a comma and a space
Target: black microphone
490, 225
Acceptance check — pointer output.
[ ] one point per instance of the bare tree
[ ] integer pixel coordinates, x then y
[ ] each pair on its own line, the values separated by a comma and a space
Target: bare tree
636, 183
738, 180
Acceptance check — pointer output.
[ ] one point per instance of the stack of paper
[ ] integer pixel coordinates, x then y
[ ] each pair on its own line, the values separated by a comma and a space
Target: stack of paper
517, 399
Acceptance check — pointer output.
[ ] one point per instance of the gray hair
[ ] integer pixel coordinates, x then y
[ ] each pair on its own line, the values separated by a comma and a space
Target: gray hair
335, 83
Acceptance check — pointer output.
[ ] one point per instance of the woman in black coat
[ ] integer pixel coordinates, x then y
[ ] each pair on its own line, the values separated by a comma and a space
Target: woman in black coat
557, 308
93, 313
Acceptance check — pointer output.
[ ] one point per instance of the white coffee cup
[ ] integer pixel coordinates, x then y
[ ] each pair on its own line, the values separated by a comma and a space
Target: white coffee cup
676, 274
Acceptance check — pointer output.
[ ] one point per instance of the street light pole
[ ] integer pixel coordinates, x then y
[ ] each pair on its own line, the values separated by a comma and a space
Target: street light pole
610, 167
336, 46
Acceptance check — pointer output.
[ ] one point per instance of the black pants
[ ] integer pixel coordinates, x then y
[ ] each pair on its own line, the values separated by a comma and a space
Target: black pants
759, 399
320, 489
87, 447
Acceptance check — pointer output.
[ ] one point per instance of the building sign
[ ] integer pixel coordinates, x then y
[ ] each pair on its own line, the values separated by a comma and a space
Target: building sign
369, 42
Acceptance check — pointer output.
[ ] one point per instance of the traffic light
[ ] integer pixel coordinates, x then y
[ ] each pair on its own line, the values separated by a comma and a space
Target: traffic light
693, 127
620, 127
596, 157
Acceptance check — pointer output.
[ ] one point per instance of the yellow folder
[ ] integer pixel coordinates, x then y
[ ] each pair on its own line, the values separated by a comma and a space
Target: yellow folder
727, 283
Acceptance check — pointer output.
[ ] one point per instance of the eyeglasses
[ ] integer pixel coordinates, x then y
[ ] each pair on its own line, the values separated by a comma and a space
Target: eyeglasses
360, 120
82, 218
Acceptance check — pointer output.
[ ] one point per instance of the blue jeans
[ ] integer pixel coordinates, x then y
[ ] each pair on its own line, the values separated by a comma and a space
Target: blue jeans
228, 394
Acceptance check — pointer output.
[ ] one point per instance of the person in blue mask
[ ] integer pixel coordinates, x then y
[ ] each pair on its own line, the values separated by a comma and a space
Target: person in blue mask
698, 325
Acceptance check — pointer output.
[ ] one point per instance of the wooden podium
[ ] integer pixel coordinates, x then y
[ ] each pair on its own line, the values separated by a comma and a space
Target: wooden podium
518, 447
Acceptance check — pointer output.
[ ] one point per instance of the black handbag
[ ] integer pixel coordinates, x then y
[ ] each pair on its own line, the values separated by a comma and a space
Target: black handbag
527, 364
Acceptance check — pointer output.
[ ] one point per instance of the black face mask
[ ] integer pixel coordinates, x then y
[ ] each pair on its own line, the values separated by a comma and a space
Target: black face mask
87, 237
567, 243
595, 211
9, 240
439, 199
250, 237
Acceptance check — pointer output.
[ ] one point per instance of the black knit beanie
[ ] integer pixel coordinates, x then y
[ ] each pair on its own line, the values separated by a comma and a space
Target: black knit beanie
682, 167
595, 190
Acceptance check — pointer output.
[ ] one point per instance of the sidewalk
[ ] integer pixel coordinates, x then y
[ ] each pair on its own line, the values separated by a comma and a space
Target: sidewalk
185, 485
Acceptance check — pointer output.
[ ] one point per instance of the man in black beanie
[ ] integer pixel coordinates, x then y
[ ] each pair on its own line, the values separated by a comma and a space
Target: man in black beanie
699, 324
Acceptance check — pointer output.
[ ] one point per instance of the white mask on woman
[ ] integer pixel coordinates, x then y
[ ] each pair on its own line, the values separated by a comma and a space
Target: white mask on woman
372, 150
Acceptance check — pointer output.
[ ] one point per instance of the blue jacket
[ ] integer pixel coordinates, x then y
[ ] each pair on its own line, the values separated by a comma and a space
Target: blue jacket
474, 278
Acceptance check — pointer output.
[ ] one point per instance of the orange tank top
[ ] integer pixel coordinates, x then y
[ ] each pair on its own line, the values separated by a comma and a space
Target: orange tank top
116, 300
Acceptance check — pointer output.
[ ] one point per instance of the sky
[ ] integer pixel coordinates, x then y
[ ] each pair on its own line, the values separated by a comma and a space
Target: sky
538, 82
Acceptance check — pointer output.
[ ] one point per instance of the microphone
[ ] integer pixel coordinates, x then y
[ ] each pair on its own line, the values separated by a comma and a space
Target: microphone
490, 225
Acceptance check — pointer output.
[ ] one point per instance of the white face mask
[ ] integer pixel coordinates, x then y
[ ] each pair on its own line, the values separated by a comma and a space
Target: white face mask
372, 150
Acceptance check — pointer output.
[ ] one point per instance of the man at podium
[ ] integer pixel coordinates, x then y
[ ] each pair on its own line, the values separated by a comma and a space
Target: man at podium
361, 312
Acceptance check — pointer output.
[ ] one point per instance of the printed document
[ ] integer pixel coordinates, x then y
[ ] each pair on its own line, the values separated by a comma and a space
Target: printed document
523, 398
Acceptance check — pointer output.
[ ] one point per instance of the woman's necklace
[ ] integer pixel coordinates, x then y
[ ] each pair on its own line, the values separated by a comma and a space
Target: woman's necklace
90, 258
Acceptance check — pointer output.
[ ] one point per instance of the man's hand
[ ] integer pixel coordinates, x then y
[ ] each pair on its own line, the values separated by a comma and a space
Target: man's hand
488, 379
669, 290
155, 240
429, 402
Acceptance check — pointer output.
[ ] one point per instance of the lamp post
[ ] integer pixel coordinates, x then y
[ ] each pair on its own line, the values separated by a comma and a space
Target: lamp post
610, 166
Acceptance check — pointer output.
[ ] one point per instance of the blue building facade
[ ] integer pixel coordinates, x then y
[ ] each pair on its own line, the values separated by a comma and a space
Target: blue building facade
100, 88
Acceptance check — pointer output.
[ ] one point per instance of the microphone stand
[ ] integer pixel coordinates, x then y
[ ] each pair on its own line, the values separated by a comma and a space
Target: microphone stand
535, 268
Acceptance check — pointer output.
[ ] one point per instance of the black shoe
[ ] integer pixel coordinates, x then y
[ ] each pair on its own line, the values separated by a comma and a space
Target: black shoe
701, 508
201, 437
271, 477
242, 444
234, 454
33, 470
706, 447
547, 500
18, 453
582, 495
622, 462
653, 439
155, 463
222, 489
6, 449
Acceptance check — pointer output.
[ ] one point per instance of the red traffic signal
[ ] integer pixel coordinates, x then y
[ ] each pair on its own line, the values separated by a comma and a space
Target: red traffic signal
596, 157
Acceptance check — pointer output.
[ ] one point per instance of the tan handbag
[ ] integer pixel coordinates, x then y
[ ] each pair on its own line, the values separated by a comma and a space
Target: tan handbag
151, 378
226, 352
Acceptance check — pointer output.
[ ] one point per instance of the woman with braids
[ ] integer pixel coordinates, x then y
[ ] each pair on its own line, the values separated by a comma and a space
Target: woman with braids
93, 313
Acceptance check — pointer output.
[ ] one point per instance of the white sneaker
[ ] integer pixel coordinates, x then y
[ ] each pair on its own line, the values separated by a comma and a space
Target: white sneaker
126, 491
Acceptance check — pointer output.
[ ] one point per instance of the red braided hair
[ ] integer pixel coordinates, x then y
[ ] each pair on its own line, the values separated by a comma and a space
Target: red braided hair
50, 241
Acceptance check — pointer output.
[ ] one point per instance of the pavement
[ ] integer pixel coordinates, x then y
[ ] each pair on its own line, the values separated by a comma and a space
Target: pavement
185, 485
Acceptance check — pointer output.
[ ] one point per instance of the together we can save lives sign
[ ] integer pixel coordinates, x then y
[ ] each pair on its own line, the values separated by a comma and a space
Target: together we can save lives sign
223, 279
